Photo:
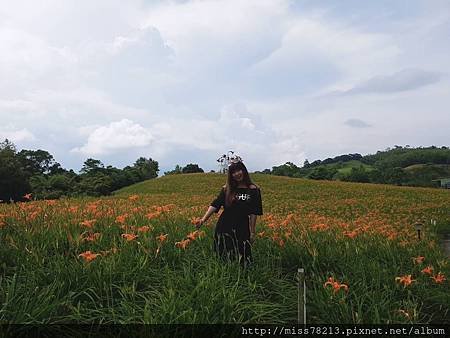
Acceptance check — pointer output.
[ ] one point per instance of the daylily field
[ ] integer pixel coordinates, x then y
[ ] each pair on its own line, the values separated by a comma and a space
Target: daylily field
136, 257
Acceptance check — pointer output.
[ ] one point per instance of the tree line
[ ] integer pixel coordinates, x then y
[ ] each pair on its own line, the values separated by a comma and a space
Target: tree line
422, 166
36, 173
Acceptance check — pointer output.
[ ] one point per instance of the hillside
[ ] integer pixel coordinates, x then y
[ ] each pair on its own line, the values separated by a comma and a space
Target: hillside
293, 192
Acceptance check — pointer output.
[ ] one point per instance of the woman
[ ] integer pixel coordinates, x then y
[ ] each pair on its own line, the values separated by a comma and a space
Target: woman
235, 229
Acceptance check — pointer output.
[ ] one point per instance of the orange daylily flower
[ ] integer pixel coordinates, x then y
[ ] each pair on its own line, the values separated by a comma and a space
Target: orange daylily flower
28, 196
335, 285
350, 234
439, 278
287, 220
133, 197
261, 234
418, 259
88, 223
129, 237
162, 238
428, 270
183, 244
268, 217
405, 280
192, 236
144, 228
88, 256
195, 234
121, 218
272, 225
195, 220
92, 207
73, 209
164, 208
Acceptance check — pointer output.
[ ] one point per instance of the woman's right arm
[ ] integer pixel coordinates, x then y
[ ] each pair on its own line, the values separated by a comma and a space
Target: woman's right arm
207, 215
214, 206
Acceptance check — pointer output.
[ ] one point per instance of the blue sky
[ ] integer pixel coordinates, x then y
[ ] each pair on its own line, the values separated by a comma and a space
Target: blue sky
186, 81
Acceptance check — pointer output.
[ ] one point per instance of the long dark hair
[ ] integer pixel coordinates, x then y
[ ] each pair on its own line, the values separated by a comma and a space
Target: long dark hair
231, 186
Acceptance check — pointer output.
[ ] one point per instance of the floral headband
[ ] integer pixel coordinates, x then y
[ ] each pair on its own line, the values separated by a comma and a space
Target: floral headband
235, 159
230, 158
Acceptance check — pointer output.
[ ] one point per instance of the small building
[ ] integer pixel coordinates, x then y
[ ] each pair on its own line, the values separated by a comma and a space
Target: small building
445, 182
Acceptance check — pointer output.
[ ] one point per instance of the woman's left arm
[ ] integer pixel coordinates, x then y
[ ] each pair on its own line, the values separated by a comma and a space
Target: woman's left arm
252, 225
255, 210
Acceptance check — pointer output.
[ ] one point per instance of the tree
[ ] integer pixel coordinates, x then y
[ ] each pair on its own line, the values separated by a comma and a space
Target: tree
322, 173
287, 169
315, 163
53, 186
178, 170
358, 174
147, 168
13, 180
132, 174
192, 168
37, 162
95, 185
92, 166
396, 176
119, 178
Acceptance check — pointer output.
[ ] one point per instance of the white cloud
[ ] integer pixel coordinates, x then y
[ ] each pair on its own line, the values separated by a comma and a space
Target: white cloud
230, 119
311, 42
236, 129
116, 136
16, 135
288, 149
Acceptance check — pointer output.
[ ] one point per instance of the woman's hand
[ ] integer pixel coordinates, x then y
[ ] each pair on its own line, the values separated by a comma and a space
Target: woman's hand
199, 223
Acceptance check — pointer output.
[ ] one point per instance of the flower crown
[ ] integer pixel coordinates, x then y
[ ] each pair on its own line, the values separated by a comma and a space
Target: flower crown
234, 159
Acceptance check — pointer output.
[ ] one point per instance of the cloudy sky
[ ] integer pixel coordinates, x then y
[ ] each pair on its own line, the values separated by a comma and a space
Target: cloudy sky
186, 81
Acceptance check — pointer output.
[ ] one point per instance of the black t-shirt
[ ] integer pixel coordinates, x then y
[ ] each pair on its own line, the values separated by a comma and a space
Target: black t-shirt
246, 201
